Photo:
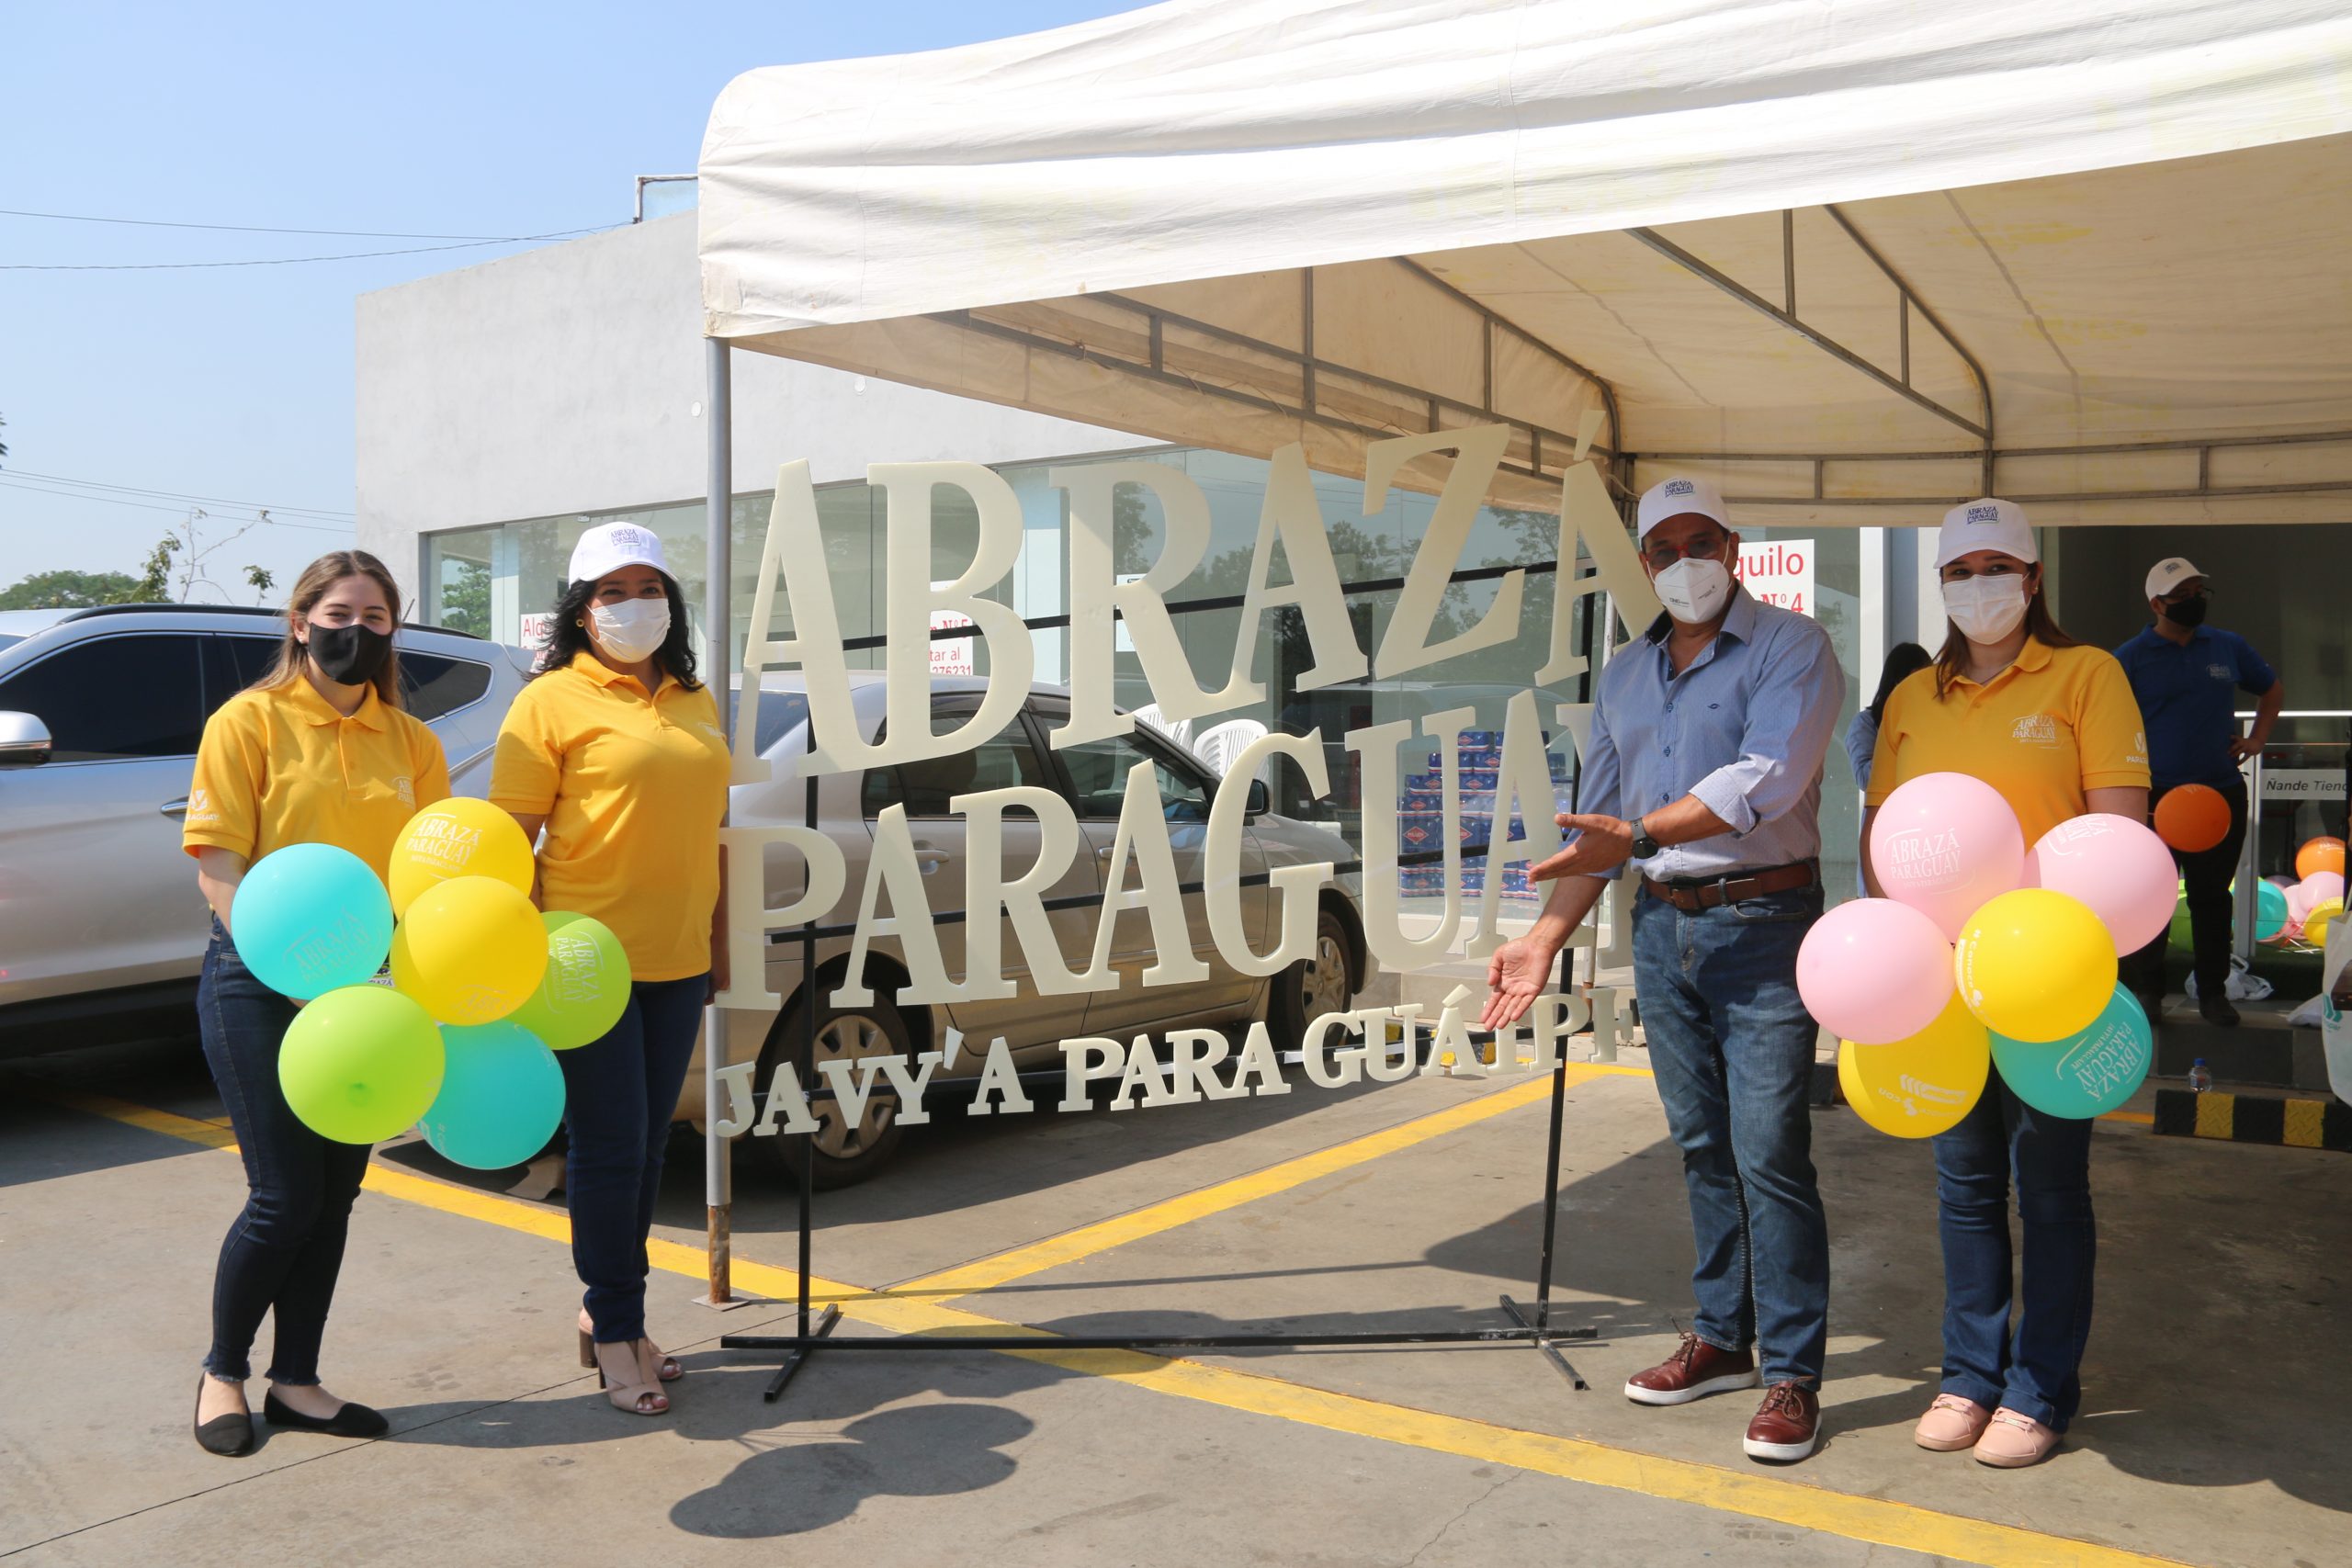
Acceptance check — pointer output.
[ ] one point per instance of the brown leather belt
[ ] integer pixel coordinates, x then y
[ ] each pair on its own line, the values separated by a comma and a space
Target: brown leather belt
1692, 896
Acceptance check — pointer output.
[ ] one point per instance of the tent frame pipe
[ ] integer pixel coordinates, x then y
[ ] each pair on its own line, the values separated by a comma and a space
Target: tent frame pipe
718, 1195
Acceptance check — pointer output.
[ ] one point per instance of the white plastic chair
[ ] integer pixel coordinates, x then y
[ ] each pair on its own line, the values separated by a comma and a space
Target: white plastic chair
1179, 730
1220, 744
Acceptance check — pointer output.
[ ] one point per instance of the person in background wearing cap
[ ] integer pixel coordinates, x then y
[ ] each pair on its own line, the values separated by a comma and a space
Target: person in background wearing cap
317, 751
617, 750
1710, 732
2185, 674
2014, 701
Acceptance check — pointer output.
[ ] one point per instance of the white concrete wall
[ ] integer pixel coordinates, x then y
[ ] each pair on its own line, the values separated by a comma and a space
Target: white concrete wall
570, 379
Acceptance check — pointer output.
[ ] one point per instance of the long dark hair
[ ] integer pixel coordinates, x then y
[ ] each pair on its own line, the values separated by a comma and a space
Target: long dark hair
2040, 624
293, 660
567, 636
1902, 660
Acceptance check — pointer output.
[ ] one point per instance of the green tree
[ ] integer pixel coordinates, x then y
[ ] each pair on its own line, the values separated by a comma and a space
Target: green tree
70, 591
260, 581
465, 602
155, 584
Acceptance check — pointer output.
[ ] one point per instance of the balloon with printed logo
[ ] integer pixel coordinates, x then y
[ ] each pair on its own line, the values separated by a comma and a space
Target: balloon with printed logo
585, 988
1923, 1086
1944, 843
2325, 853
501, 1098
2192, 818
2087, 1073
1873, 970
457, 836
2115, 865
2035, 964
471, 950
310, 918
2270, 911
2324, 913
360, 1064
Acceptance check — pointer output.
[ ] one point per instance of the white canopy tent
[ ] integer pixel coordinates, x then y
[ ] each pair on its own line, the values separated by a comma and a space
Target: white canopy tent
1858, 260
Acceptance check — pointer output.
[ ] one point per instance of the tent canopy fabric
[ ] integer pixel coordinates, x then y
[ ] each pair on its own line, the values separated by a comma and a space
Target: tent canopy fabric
1853, 259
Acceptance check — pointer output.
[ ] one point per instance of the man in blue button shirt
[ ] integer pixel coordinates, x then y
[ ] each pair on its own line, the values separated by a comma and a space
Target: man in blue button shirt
1704, 769
2187, 676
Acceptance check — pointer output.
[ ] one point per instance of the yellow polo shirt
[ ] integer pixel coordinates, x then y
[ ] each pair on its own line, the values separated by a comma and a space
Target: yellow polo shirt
2058, 722
632, 787
282, 767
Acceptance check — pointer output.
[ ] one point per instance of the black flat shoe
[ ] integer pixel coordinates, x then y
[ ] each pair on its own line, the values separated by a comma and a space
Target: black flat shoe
231, 1436
350, 1421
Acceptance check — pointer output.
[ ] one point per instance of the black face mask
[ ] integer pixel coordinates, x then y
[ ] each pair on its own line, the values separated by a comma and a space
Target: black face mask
2190, 612
349, 656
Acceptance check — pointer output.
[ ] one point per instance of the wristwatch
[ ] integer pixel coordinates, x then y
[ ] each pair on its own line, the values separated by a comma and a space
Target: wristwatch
1644, 845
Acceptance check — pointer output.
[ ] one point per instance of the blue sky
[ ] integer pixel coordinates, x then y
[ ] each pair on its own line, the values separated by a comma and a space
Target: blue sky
236, 383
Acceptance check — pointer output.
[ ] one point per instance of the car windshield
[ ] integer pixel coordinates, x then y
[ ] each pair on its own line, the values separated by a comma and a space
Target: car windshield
780, 714
8, 641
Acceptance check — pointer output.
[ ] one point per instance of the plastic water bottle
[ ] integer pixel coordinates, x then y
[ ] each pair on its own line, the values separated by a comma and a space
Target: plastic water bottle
2199, 1080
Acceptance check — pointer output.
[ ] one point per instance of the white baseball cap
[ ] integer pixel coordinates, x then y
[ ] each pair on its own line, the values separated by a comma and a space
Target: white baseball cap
1676, 497
612, 546
1985, 524
2168, 575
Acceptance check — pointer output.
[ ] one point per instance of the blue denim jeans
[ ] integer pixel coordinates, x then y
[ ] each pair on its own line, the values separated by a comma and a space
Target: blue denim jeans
284, 1251
2035, 1371
1732, 1048
619, 1094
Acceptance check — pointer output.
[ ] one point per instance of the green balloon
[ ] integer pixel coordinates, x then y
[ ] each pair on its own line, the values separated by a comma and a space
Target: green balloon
586, 985
360, 1064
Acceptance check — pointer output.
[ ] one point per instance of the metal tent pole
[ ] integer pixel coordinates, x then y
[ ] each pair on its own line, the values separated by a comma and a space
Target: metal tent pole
719, 503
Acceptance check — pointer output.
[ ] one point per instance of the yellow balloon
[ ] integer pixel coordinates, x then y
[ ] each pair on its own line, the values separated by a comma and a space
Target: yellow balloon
2315, 923
1919, 1087
2035, 964
470, 950
457, 836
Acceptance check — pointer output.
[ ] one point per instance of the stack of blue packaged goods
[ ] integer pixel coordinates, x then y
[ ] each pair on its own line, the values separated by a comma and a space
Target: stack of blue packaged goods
1421, 817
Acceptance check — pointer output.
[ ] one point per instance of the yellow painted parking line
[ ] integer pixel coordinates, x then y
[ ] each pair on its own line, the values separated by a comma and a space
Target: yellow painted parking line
1036, 1258
1748, 1494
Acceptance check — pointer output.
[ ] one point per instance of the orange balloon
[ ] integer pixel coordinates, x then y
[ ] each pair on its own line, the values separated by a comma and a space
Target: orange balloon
2192, 818
2323, 853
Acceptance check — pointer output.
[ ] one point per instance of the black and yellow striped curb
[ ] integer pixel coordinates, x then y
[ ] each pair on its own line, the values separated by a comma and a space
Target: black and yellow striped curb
2256, 1119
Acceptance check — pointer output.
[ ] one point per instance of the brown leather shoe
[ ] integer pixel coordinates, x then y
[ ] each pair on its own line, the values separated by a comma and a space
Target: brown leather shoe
1695, 1370
1788, 1426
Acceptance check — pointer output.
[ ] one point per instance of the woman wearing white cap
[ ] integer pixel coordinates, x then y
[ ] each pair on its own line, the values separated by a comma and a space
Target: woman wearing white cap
2014, 701
616, 749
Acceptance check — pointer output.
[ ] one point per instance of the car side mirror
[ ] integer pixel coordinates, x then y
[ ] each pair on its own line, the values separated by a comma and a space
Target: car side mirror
23, 740
1261, 799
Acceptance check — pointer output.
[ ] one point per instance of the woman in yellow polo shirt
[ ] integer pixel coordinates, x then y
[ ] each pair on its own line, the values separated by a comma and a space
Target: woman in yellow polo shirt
2053, 725
317, 751
617, 750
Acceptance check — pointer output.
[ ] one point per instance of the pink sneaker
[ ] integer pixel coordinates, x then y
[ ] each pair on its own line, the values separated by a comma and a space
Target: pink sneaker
1952, 1424
2012, 1441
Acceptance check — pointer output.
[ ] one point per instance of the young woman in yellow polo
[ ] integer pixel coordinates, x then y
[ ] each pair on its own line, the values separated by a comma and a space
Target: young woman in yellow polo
2053, 725
317, 751
617, 750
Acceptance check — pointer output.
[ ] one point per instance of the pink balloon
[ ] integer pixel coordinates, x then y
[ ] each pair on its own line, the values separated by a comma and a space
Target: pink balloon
2117, 866
1873, 971
2300, 900
1944, 844
2323, 885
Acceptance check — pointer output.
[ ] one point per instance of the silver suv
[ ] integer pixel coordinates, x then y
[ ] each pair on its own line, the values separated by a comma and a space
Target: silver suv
1092, 777
102, 930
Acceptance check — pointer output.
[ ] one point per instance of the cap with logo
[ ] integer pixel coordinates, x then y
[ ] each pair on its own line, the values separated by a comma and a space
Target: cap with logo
2168, 575
1985, 524
613, 546
1676, 497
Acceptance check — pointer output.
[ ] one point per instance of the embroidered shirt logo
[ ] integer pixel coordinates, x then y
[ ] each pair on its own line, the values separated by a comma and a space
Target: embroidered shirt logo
403, 788
2219, 671
2035, 729
199, 806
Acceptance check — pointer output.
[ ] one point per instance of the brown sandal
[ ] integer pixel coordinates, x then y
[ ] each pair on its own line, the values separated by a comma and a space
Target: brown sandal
667, 1371
630, 1398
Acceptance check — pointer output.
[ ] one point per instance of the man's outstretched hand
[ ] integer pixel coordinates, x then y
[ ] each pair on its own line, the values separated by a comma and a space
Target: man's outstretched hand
1602, 844
1517, 974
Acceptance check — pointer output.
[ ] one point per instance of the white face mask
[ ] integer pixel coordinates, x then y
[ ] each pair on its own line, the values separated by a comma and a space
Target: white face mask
1985, 609
1694, 591
632, 630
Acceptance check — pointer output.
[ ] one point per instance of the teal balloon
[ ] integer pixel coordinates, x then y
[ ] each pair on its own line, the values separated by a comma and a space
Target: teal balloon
311, 918
2083, 1075
501, 1097
2269, 910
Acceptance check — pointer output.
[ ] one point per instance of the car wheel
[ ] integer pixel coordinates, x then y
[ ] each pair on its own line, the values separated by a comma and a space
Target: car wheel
844, 1154
1312, 986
